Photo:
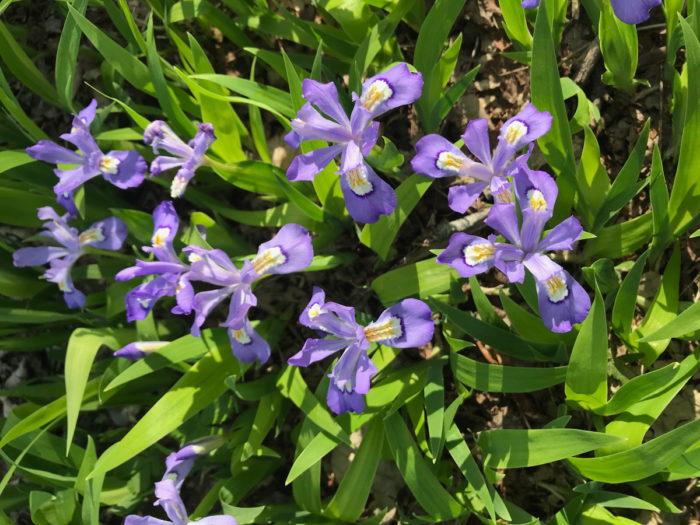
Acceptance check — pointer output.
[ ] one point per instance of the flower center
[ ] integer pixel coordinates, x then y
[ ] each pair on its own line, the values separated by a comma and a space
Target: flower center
159, 237
314, 311
447, 161
144, 302
109, 165
193, 257
389, 329
269, 259
358, 182
556, 289
63, 286
478, 253
378, 92
148, 347
537, 201
90, 236
515, 131
178, 186
505, 196
240, 335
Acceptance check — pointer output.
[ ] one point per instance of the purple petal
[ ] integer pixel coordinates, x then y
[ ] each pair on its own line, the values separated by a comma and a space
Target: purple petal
165, 225
140, 300
405, 325
288, 251
169, 498
164, 163
159, 135
369, 138
314, 308
87, 114
525, 127
145, 520
130, 169
563, 236
37, 255
392, 88
315, 350
460, 198
68, 202
367, 197
468, 254
54, 154
305, 167
184, 295
204, 303
310, 125
531, 231
509, 259
242, 300
177, 466
69, 180
215, 520
81, 138
74, 299
476, 139
562, 302
325, 98
501, 190
212, 266
541, 266
535, 190
502, 218
148, 268
292, 139
633, 11
203, 139
107, 234
139, 349
438, 157
342, 401
530, 4
247, 344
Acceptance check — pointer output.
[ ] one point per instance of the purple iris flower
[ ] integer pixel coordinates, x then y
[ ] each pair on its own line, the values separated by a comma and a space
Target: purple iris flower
188, 157
178, 464
124, 169
107, 234
139, 349
288, 251
437, 157
629, 11
168, 494
406, 324
367, 197
562, 301
171, 272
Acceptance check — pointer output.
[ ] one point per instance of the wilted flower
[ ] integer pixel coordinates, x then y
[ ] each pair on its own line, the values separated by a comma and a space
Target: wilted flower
562, 301
288, 251
171, 272
366, 195
629, 11
406, 324
107, 234
124, 169
188, 157
437, 157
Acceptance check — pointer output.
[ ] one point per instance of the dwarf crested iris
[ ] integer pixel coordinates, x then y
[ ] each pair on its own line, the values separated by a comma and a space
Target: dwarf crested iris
629, 11
562, 301
188, 157
171, 272
124, 169
437, 157
107, 234
288, 251
178, 465
367, 197
406, 324
139, 349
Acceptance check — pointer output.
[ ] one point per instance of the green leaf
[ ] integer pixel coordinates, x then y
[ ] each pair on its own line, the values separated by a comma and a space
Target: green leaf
515, 24
379, 235
626, 299
350, 499
686, 190
508, 448
424, 279
587, 375
619, 47
318, 447
434, 395
293, 387
658, 195
547, 95
498, 378
82, 348
199, 387
641, 461
620, 239
421, 481
687, 322
593, 183
67, 56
